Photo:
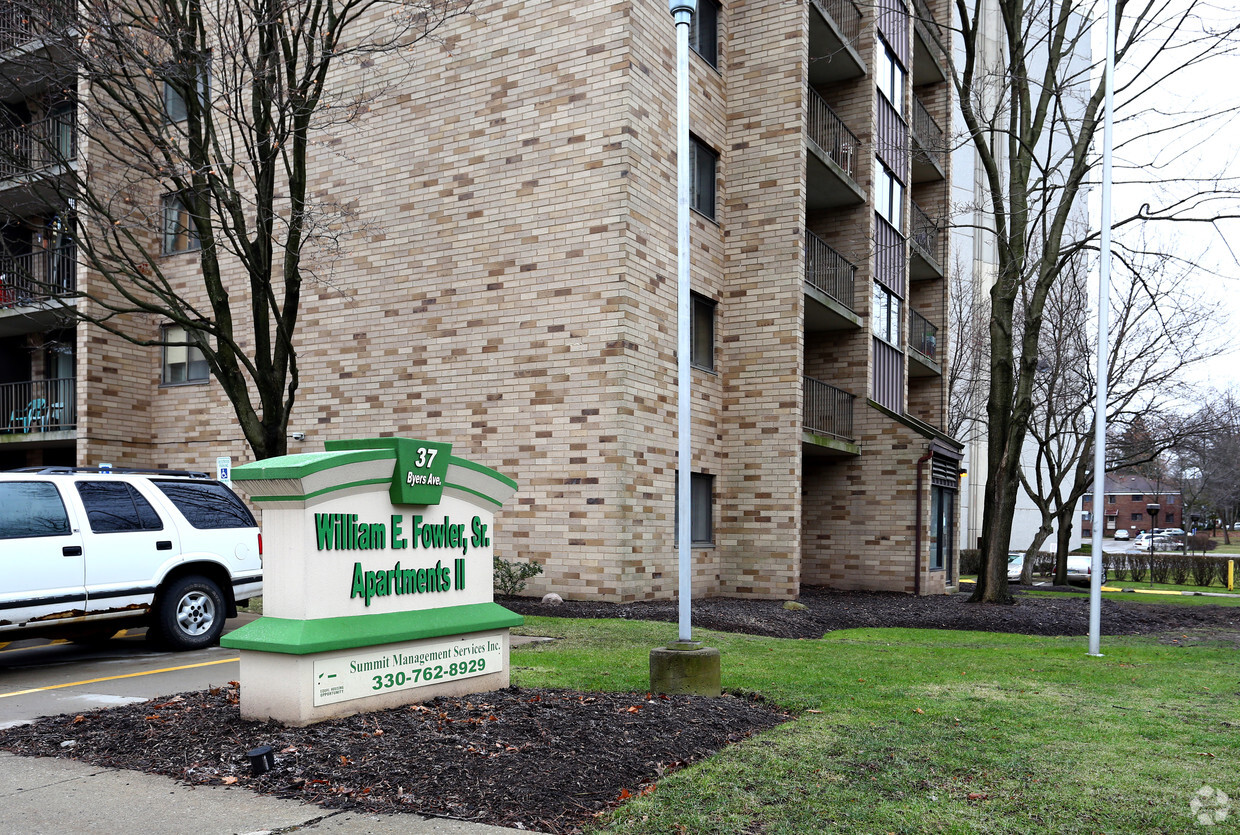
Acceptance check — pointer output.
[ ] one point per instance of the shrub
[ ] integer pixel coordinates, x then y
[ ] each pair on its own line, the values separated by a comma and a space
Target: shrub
1203, 570
1220, 571
970, 560
1160, 568
1119, 566
1138, 565
510, 576
1201, 542
1180, 567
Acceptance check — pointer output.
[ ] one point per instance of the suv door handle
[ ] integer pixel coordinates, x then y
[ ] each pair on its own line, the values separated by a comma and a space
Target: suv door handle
72, 550
163, 545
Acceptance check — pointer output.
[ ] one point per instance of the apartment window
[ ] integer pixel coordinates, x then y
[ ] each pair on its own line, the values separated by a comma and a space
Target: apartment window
704, 31
1137, 517
701, 522
1139, 498
1110, 499
180, 234
886, 315
702, 162
182, 363
891, 78
889, 198
702, 333
174, 103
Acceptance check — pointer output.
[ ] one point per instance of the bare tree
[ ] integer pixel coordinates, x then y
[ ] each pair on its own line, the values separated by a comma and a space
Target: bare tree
1212, 460
197, 119
1032, 116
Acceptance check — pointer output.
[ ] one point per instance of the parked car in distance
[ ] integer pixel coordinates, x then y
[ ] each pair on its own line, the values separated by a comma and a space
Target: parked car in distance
84, 554
1081, 569
1121, 534
1169, 532
1016, 562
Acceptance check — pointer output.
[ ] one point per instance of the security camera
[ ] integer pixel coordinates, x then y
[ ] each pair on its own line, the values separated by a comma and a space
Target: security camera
297, 436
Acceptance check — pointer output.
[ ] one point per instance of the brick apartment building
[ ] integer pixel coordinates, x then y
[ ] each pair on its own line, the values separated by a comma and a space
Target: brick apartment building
515, 293
1125, 502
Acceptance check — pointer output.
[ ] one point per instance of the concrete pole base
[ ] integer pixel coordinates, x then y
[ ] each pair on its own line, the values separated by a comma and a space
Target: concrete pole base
685, 668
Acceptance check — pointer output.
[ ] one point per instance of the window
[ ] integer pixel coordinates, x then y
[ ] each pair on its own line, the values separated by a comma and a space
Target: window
174, 102
889, 198
1169, 519
890, 77
942, 527
704, 32
886, 315
1138, 498
701, 522
702, 161
1110, 499
116, 507
182, 363
1137, 517
180, 233
702, 333
207, 505
31, 508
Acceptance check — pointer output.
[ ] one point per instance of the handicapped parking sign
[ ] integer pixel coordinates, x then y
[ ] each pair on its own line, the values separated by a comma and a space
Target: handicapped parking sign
223, 469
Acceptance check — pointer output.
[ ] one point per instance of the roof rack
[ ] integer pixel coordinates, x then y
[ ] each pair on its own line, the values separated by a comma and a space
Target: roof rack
111, 471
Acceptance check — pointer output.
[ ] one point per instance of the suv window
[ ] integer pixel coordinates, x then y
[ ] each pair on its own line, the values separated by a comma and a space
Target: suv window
207, 505
116, 507
31, 508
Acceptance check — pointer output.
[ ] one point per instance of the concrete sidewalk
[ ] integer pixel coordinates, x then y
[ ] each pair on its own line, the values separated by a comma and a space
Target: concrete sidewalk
44, 795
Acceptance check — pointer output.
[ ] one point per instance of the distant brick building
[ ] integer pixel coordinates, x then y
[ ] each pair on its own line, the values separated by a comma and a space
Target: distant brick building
1124, 506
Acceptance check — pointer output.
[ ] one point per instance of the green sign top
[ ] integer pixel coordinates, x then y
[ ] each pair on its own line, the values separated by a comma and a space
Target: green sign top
421, 466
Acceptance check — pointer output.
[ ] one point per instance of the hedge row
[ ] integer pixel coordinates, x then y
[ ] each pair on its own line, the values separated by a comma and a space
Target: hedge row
1139, 567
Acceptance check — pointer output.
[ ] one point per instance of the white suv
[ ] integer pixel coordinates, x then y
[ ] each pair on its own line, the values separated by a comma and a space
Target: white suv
85, 553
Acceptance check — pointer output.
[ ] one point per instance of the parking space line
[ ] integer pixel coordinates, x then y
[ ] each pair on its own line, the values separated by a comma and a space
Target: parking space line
114, 678
23, 649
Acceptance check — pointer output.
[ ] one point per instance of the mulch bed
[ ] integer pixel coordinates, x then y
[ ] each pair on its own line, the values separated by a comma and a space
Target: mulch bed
543, 760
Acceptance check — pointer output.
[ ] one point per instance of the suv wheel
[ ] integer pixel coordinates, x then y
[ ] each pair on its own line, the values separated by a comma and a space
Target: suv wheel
190, 614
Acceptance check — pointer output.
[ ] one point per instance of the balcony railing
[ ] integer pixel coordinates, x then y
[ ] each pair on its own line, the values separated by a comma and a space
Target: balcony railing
49, 142
929, 134
829, 132
846, 16
828, 410
924, 17
39, 275
923, 337
23, 22
925, 233
828, 271
38, 406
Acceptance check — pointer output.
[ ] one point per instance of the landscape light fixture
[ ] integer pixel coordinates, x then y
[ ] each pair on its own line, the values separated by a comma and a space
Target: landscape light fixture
262, 760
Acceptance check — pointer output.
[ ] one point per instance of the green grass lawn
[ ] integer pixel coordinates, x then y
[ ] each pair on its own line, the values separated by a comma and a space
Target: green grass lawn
1175, 599
931, 731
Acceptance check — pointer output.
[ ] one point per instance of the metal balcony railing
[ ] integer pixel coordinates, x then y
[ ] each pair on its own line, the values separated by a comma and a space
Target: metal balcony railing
829, 132
828, 271
923, 337
828, 410
23, 22
847, 17
38, 406
925, 233
925, 18
39, 275
46, 143
928, 133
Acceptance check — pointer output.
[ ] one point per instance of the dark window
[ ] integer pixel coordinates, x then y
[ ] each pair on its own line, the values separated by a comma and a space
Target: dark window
116, 507
1169, 519
31, 508
1137, 517
1110, 499
701, 524
182, 363
702, 161
180, 233
886, 315
889, 198
942, 527
703, 333
207, 505
174, 101
1138, 498
704, 31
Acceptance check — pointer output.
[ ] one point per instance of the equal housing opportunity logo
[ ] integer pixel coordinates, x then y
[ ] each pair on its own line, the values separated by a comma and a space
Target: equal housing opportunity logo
1210, 806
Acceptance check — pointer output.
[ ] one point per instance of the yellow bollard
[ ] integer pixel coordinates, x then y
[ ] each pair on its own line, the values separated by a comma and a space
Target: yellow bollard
1231, 574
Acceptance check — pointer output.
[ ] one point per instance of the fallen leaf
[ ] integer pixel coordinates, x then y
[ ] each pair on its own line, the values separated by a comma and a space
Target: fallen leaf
228, 781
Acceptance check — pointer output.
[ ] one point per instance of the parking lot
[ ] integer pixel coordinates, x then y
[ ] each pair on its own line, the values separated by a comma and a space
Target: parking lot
44, 678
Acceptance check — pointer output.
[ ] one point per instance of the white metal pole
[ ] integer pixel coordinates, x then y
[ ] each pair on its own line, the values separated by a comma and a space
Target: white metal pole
1104, 310
682, 12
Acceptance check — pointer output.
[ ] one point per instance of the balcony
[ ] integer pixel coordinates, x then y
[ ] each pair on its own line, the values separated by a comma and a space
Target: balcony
48, 143
928, 44
28, 282
929, 145
827, 420
38, 411
834, 27
830, 282
923, 347
927, 246
18, 26
832, 160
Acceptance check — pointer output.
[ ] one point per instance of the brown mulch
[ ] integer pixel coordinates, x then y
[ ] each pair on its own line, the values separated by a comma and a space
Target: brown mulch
543, 760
